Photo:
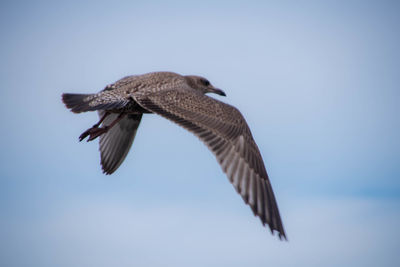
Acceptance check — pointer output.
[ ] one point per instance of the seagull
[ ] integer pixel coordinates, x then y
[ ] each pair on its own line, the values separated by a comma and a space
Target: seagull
182, 100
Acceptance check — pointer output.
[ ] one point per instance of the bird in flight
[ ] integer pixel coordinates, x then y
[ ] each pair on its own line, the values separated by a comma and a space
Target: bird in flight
182, 100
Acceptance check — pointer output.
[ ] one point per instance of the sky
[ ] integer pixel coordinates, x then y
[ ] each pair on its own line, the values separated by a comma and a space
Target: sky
317, 81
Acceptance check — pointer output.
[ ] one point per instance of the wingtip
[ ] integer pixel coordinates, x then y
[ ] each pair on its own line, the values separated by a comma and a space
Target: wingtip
280, 232
282, 237
107, 171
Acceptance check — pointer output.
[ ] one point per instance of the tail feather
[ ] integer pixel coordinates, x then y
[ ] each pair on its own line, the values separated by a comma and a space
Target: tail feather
77, 102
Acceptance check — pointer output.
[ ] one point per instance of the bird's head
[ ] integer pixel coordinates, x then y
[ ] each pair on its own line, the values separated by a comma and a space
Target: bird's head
203, 85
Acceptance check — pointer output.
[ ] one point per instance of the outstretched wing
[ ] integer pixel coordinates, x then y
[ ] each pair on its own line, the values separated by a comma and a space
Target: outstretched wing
115, 143
224, 130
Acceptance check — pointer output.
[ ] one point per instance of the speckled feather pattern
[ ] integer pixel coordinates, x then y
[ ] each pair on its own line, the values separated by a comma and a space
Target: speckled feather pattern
182, 100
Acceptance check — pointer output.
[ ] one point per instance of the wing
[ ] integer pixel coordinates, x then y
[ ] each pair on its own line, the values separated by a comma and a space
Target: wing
224, 130
115, 144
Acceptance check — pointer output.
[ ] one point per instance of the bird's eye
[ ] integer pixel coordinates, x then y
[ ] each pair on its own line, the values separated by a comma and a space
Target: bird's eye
206, 82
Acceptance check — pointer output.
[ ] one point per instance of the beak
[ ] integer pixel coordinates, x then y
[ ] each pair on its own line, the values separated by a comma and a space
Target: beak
217, 91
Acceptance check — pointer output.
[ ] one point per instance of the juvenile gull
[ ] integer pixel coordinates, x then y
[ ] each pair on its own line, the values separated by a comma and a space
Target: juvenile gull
182, 100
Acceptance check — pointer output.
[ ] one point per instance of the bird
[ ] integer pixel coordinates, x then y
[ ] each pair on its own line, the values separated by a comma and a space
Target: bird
181, 99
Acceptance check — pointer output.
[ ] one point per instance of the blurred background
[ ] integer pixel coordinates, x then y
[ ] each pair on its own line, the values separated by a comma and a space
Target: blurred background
317, 81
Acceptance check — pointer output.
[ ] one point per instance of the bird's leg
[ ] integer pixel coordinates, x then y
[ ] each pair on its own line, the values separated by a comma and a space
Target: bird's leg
95, 131
101, 119
91, 130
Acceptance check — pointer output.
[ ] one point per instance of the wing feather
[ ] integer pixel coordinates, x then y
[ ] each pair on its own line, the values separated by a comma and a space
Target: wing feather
115, 144
224, 130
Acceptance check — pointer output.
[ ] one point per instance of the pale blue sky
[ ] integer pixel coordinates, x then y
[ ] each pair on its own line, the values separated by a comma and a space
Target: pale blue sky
317, 81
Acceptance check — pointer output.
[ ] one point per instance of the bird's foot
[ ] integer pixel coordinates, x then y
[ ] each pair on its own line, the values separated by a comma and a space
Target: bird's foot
93, 133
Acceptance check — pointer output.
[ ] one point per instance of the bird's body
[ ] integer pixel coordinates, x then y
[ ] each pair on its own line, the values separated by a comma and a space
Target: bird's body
182, 100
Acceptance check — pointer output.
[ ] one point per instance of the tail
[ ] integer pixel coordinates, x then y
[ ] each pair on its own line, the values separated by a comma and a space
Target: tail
78, 102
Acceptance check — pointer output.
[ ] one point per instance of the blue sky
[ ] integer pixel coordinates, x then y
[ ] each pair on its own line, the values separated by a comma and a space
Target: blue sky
318, 83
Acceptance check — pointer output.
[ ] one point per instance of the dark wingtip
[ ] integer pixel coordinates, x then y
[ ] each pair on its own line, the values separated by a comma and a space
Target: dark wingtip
106, 168
282, 236
107, 171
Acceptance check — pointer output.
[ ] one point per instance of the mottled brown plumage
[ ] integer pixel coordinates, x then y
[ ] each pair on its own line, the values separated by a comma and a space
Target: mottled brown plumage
182, 100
